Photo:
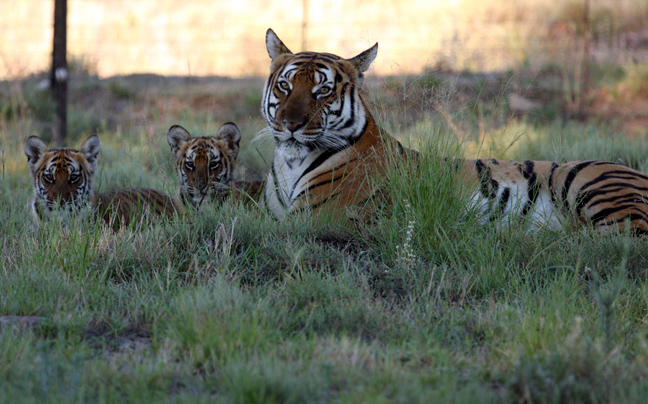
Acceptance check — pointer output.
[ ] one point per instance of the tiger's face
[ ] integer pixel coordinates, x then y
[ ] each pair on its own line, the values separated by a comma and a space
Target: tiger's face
62, 178
311, 100
205, 164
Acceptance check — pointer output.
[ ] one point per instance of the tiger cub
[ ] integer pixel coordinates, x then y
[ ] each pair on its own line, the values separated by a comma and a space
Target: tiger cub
205, 165
63, 184
327, 144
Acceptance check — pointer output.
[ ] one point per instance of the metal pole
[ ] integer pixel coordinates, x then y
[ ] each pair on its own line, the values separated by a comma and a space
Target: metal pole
586, 59
59, 75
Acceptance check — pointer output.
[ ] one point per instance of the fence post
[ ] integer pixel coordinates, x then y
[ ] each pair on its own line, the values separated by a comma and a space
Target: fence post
59, 75
584, 100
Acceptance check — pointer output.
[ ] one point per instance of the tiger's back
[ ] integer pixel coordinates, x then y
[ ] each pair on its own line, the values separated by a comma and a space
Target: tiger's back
128, 206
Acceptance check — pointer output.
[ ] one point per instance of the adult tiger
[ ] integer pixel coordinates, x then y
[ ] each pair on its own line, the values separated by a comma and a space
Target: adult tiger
205, 165
327, 143
63, 182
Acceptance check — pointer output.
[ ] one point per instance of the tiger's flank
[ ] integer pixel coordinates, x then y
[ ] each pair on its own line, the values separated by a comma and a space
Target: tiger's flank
328, 148
206, 164
63, 184
606, 195
327, 143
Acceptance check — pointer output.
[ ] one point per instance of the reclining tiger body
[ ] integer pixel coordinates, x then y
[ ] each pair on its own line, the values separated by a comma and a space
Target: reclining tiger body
327, 145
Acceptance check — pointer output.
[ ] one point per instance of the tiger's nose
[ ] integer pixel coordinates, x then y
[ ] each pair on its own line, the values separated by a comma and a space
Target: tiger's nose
292, 126
201, 185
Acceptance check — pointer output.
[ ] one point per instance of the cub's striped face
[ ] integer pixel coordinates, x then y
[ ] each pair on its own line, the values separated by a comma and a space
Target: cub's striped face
311, 100
62, 178
205, 164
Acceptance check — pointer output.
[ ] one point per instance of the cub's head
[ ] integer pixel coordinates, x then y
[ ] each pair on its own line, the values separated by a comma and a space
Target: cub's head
62, 178
311, 100
205, 164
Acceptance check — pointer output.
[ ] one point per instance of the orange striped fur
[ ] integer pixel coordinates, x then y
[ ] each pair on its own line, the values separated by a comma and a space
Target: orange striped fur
206, 164
599, 193
63, 183
327, 145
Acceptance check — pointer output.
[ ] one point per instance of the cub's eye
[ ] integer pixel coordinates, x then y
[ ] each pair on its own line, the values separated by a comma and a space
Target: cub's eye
49, 177
74, 178
324, 90
214, 165
283, 85
189, 165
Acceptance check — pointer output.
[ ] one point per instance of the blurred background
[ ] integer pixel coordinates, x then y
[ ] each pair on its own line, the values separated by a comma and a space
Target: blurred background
517, 79
225, 38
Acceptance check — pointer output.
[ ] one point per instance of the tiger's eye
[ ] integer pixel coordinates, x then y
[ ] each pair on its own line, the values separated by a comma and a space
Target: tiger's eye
284, 85
189, 165
49, 177
213, 165
324, 90
74, 178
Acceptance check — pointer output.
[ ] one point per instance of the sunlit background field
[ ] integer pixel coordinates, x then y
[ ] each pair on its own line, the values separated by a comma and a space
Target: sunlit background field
420, 305
221, 37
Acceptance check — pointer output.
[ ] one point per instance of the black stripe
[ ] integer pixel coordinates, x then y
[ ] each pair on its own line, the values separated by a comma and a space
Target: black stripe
319, 184
335, 168
352, 117
552, 189
625, 198
329, 153
533, 188
316, 163
570, 178
486, 180
501, 205
586, 196
277, 187
605, 213
622, 175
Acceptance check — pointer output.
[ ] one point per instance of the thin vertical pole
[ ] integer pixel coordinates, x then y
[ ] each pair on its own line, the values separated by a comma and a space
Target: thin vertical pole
59, 75
586, 59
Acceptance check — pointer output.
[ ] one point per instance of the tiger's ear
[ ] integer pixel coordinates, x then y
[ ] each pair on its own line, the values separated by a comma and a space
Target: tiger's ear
274, 45
363, 61
90, 149
176, 137
231, 134
34, 149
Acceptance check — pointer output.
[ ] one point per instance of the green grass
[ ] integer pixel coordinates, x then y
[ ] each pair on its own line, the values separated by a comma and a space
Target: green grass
230, 306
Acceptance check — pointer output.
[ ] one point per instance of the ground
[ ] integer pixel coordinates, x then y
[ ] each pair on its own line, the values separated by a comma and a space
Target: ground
229, 305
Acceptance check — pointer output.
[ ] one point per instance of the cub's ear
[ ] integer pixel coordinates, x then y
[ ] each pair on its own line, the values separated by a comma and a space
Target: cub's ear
363, 61
90, 149
231, 134
274, 45
176, 137
34, 149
